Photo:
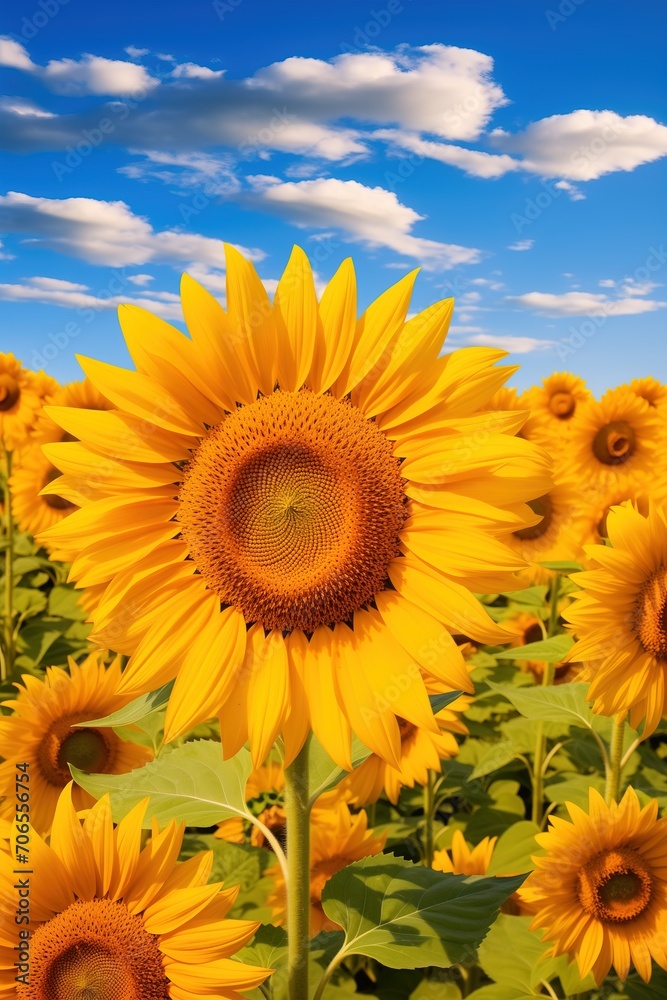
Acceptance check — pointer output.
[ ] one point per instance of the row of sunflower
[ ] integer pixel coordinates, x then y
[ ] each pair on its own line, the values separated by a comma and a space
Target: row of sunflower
293, 702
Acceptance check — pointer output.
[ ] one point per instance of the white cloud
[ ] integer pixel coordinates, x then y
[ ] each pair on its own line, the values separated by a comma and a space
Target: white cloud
213, 175
585, 145
457, 329
140, 279
66, 294
573, 191
493, 286
24, 108
191, 71
165, 56
372, 216
522, 245
474, 162
605, 283
584, 304
4, 255
88, 75
104, 232
134, 52
630, 286
515, 345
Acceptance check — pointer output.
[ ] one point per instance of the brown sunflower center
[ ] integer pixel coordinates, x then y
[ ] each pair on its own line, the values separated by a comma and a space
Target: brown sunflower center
50, 499
405, 728
616, 885
562, 404
544, 508
291, 509
95, 950
650, 617
10, 391
91, 750
615, 443
533, 633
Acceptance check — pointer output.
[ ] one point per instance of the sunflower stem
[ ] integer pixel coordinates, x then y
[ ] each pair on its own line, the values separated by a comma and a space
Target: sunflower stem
615, 762
540, 739
429, 810
7, 666
297, 812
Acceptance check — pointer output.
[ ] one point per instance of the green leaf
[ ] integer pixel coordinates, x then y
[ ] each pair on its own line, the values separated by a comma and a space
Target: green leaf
137, 710
535, 596
324, 773
512, 955
407, 916
440, 701
512, 854
495, 756
191, 783
268, 948
563, 566
556, 703
573, 789
551, 650
64, 603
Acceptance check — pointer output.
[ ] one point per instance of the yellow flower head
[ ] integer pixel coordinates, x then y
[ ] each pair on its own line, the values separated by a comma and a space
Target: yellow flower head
620, 618
421, 751
615, 438
553, 406
21, 396
337, 839
110, 920
556, 532
654, 392
292, 506
463, 859
42, 732
600, 892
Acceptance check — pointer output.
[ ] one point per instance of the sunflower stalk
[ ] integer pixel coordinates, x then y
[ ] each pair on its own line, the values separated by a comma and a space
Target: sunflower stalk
7, 662
615, 768
540, 740
297, 813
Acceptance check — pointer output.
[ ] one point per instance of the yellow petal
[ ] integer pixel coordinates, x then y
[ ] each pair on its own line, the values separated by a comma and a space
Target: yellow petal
268, 695
336, 330
121, 435
297, 723
297, 318
251, 318
330, 724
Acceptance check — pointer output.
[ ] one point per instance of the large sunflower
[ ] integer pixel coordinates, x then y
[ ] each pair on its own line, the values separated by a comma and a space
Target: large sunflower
21, 395
42, 731
553, 406
337, 839
615, 438
107, 920
620, 617
600, 892
421, 751
293, 507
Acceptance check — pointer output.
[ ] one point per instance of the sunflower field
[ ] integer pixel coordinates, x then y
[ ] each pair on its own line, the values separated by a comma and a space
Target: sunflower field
331, 666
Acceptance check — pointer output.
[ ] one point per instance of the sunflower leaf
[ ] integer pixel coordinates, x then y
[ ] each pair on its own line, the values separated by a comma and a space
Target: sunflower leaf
324, 773
551, 650
137, 710
407, 916
190, 783
440, 701
555, 703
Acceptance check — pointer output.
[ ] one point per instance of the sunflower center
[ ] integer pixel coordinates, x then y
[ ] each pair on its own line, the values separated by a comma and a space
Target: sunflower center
650, 617
616, 885
534, 633
9, 391
50, 499
90, 750
544, 508
562, 404
291, 509
95, 950
405, 728
614, 443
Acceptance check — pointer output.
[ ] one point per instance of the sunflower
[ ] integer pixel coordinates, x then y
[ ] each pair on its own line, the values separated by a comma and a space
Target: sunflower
109, 920
620, 618
264, 792
553, 406
600, 892
21, 396
462, 859
81, 394
556, 532
42, 731
286, 501
421, 751
337, 839
654, 392
615, 439
599, 498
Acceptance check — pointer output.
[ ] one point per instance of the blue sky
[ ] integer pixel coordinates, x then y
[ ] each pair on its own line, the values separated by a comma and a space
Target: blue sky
513, 150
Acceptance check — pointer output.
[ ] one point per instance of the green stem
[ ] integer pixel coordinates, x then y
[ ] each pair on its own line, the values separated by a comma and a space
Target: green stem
429, 789
328, 973
8, 626
615, 762
297, 813
540, 739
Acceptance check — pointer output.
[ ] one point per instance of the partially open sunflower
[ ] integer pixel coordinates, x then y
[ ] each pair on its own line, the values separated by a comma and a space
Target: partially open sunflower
293, 508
